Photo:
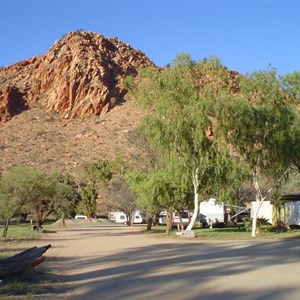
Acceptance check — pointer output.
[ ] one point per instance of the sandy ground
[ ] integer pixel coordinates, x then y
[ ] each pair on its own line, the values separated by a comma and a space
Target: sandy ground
101, 261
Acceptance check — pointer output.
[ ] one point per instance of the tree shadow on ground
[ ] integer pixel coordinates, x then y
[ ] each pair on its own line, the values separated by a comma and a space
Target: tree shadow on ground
177, 269
201, 270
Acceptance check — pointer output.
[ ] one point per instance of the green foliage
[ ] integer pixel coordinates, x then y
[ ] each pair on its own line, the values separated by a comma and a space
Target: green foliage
87, 204
292, 185
113, 101
261, 124
291, 84
18, 188
30, 190
159, 190
99, 172
211, 60
146, 201
128, 82
67, 195
261, 222
182, 59
180, 106
180, 103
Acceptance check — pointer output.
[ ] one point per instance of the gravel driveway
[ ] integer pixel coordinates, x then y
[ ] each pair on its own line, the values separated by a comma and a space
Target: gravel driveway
116, 262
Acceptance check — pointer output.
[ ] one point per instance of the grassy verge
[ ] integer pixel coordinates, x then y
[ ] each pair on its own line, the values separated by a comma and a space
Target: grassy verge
34, 283
233, 233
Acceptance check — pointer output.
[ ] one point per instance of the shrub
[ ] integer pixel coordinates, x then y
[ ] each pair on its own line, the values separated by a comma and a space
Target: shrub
261, 222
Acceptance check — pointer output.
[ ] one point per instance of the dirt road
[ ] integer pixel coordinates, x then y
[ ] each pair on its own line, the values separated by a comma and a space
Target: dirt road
108, 262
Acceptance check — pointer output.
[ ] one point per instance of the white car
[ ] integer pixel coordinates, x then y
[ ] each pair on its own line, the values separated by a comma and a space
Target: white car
80, 217
185, 218
162, 218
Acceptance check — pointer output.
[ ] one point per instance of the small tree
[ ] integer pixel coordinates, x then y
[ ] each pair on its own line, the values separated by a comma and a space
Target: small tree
157, 190
16, 187
121, 198
96, 176
67, 195
87, 204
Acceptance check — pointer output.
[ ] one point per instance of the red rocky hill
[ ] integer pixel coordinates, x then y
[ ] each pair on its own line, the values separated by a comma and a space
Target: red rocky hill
81, 75
50, 105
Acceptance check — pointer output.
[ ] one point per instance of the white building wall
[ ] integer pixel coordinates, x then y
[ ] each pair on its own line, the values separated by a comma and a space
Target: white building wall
265, 210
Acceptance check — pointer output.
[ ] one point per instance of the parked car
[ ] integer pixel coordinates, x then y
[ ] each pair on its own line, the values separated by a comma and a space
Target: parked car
185, 217
162, 218
80, 217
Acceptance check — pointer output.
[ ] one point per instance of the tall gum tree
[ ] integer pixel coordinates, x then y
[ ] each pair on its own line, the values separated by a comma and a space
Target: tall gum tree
262, 126
179, 123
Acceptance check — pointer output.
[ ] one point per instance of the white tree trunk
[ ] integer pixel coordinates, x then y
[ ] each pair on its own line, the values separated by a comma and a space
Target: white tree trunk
254, 221
259, 203
260, 198
196, 201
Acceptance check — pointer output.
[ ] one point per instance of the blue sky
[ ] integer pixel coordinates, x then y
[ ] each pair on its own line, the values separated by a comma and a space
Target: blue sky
246, 35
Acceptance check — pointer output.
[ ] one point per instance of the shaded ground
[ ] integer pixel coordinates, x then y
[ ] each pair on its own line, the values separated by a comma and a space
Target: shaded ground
99, 261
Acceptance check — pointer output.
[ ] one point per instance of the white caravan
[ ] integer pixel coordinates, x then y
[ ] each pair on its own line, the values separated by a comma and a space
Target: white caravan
121, 218
215, 214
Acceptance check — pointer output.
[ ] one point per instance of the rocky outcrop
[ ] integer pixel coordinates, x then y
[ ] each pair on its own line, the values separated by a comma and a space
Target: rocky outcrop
12, 102
82, 74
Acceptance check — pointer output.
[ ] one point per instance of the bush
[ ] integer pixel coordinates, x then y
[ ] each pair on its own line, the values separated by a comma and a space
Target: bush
261, 222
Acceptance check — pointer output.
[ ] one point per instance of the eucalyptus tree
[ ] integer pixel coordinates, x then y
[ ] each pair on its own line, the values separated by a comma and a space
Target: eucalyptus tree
180, 121
262, 126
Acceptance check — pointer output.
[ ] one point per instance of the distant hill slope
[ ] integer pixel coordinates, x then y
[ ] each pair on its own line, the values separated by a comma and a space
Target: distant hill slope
50, 142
